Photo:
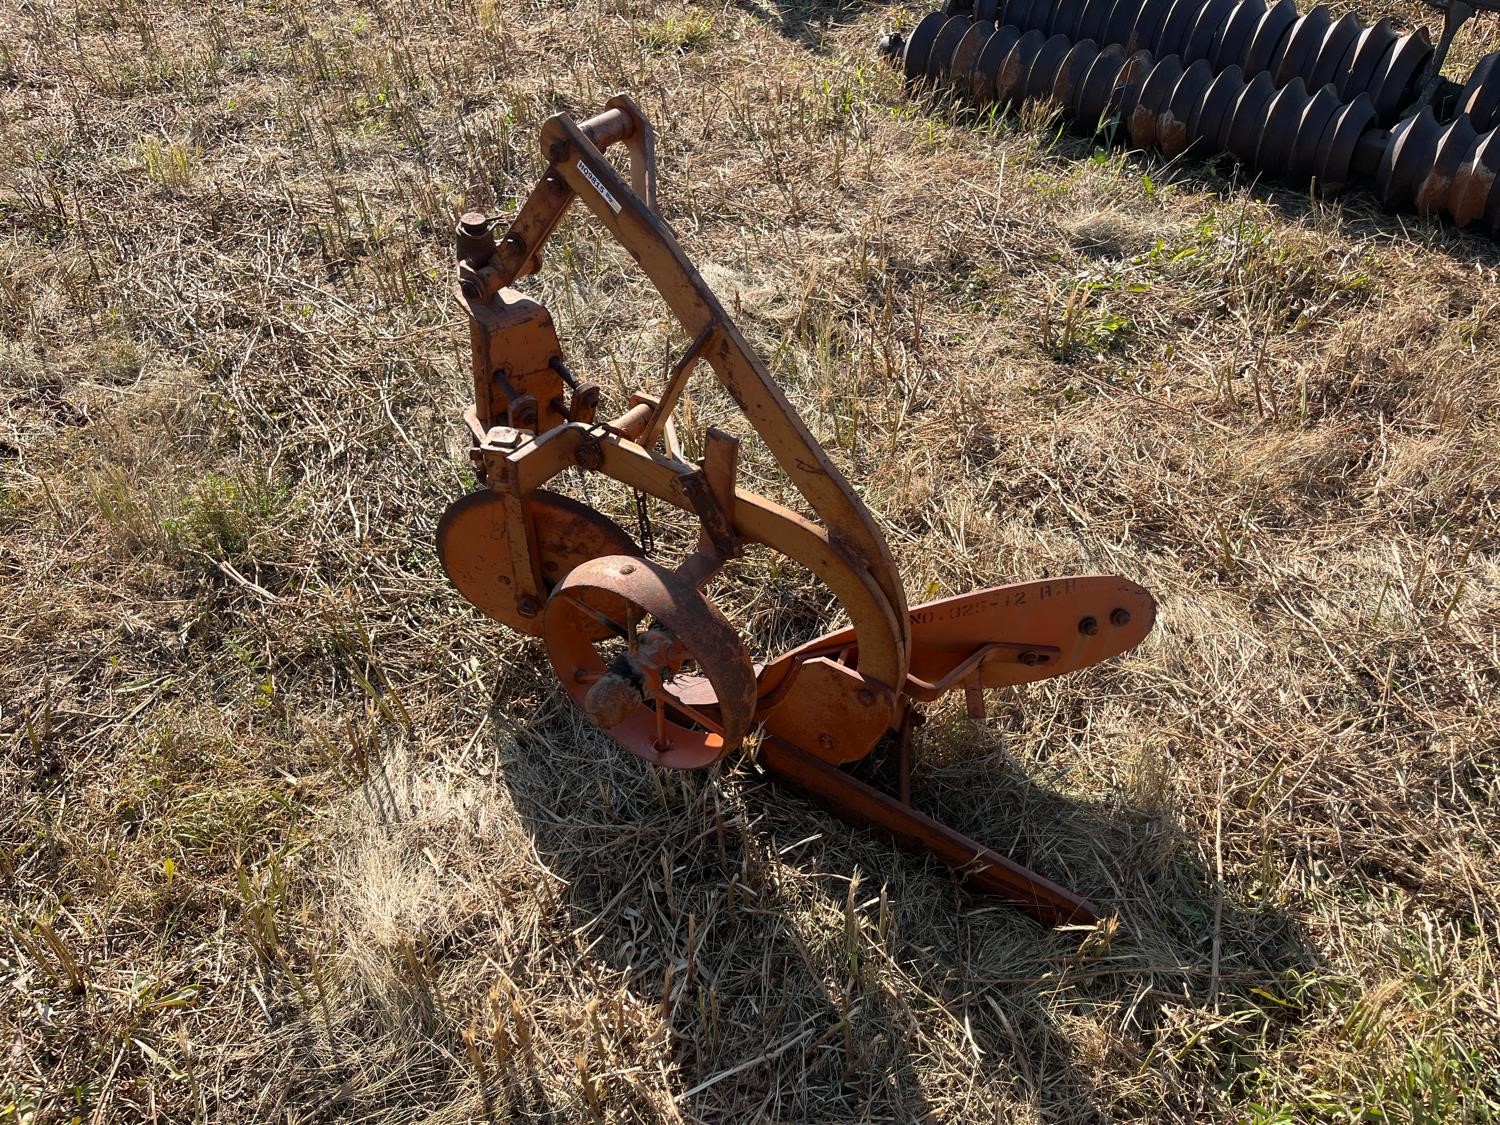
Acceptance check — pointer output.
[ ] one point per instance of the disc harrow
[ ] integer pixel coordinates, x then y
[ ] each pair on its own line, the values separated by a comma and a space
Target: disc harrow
1316, 102
634, 639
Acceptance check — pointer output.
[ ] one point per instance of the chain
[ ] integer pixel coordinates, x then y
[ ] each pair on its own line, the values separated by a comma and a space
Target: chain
643, 521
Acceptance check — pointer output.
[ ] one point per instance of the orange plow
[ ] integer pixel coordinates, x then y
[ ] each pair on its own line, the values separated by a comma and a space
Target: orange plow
635, 642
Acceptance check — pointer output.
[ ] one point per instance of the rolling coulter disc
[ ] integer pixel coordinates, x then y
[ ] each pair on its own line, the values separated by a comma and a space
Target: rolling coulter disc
473, 545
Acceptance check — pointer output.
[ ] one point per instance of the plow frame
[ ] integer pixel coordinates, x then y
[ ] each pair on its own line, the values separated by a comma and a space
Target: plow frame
825, 704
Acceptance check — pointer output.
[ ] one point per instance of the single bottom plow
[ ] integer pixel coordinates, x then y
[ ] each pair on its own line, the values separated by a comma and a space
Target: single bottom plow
635, 641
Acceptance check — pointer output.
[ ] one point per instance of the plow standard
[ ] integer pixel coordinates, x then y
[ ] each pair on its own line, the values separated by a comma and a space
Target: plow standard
634, 641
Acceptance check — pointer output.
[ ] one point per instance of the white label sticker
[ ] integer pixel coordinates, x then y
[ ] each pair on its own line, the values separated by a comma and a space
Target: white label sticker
600, 188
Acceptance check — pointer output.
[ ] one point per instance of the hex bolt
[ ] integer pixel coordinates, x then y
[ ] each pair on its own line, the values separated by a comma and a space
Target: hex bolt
527, 605
1088, 626
1120, 617
1029, 658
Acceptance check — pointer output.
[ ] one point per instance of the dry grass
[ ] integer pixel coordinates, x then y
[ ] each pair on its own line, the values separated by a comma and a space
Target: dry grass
290, 833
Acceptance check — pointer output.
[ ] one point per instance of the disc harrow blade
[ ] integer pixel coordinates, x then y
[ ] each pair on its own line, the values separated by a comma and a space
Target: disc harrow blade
1314, 101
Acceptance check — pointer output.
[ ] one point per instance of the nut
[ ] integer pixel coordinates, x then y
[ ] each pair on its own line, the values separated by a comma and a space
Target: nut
1029, 658
1119, 617
528, 605
1088, 626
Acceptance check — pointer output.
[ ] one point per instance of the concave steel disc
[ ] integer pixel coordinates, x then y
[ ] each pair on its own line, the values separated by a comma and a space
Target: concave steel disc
1278, 131
1245, 129
1480, 97
1341, 138
1459, 139
940, 58
1041, 76
1176, 27
1300, 48
1176, 128
1229, 48
1072, 71
918, 48
1155, 95
1312, 133
1475, 191
473, 545
1206, 29
987, 68
1010, 83
966, 54
1408, 156
1212, 122
1335, 52
1391, 89
1274, 26
1091, 97
1370, 51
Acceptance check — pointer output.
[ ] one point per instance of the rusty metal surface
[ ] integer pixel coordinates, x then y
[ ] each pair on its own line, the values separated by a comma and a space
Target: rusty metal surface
858, 803
1041, 629
636, 644
830, 710
472, 547
657, 728
1479, 99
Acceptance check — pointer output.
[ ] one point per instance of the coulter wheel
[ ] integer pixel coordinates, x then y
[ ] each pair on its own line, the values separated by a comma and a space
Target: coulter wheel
645, 682
473, 545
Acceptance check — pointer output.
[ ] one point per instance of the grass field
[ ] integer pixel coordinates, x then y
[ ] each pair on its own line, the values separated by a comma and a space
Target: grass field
288, 832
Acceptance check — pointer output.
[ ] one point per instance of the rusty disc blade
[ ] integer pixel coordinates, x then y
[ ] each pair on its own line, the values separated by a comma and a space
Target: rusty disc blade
473, 545
1373, 44
1474, 185
1335, 52
1229, 49
1274, 26
1176, 127
1480, 97
918, 47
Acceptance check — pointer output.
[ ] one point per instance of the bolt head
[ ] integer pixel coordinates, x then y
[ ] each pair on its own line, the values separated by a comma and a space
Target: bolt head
628, 568
1088, 626
1120, 617
1029, 658
866, 696
825, 741
528, 605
